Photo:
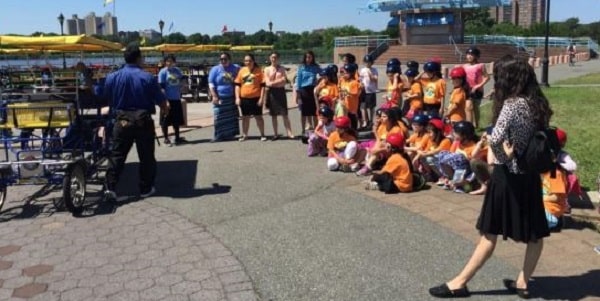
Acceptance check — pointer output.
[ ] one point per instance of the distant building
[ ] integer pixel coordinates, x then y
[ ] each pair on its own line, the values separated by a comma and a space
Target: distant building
522, 13
109, 25
94, 25
149, 34
75, 26
235, 33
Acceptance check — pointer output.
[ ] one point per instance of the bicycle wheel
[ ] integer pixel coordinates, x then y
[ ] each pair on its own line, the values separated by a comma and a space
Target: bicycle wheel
3, 191
74, 183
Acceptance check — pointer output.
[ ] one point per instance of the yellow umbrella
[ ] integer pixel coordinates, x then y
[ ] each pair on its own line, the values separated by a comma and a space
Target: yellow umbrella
60, 43
173, 47
214, 47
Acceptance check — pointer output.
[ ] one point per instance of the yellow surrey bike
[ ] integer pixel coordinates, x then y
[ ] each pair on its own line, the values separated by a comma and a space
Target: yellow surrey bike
53, 136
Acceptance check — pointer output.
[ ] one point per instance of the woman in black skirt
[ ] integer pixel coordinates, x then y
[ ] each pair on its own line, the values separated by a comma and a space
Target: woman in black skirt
306, 79
513, 205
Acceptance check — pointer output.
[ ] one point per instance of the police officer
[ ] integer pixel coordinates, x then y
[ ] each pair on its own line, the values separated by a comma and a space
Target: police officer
133, 94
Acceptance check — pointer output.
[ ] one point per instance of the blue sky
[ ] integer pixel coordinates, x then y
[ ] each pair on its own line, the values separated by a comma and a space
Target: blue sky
209, 16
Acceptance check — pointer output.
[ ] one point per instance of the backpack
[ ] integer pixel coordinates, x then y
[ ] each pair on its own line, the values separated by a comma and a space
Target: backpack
541, 153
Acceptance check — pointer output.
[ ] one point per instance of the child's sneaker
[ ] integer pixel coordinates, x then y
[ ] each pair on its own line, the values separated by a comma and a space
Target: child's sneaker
441, 182
345, 168
372, 185
364, 171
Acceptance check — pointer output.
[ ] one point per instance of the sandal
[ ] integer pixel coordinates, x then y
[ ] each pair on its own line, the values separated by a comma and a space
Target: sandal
511, 286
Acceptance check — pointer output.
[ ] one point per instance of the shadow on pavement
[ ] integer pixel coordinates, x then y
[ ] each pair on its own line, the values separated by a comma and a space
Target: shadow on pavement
574, 287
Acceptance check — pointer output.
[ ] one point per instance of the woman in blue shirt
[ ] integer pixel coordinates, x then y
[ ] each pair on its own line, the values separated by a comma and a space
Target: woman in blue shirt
220, 82
306, 79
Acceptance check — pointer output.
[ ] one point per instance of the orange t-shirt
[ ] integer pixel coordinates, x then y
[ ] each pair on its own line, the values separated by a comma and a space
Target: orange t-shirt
466, 149
445, 144
417, 102
558, 187
251, 82
382, 131
352, 89
420, 142
398, 167
335, 143
459, 99
330, 90
394, 95
433, 90
403, 129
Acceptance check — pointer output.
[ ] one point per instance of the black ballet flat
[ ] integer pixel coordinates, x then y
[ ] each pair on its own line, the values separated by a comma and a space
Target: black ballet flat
511, 286
443, 291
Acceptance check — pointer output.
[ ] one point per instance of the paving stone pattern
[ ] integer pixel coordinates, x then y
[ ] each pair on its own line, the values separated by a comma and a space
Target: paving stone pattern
141, 252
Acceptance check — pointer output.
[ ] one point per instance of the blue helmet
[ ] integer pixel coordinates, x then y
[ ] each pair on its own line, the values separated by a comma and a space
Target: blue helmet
326, 112
368, 59
350, 68
393, 62
412, 65
333, 68
411, 72
393, 69
421, 119
464, 128
432, 67
473, 51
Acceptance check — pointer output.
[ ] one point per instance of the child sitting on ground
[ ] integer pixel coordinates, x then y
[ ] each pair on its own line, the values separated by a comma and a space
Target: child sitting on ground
555, 197
419, 138
425, 160
342, 147
376, 150
397, 174
317, 141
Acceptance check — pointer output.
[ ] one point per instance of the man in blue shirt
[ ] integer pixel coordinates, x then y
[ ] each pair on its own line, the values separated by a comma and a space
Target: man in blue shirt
170, 78
133, 94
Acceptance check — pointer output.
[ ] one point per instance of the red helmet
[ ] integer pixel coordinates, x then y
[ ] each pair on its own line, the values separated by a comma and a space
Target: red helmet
342, 122
395, 140
562, 137
458, 72
437, 123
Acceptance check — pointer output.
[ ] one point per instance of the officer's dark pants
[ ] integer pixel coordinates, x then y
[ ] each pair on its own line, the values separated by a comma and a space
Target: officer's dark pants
126, 131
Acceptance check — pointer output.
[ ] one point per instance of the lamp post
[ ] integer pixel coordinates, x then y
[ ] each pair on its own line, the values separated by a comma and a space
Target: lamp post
161, 25
270, 26
61, 21
545, 60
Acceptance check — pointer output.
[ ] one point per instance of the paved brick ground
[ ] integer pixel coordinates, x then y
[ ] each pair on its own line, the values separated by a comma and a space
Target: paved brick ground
141, 252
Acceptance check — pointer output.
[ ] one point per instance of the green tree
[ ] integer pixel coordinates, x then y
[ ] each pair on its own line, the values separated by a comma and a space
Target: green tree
288, 41
478, 21
176, 38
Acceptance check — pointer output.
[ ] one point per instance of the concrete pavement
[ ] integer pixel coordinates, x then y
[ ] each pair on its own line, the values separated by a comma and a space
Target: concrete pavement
260, 221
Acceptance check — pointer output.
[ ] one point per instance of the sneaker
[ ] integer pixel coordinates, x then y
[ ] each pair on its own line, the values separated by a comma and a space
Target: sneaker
364, 171
263, 138
345, 168
372, 185
441, 182
149, 193
110, 195
243, 138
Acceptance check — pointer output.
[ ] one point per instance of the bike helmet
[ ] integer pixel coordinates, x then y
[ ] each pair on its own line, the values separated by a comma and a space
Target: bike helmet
396, 140
324, 72
412, 65
411, 73
458, 72
432, 66
437, 123
473, 51
464, 128
350, 68
421, 119
333, 68
350, 58
342, 122
393, 69
562, 137
368, 59
326, 112
393, 62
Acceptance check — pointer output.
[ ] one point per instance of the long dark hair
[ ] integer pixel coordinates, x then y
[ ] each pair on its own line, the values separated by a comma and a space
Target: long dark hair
514, 77
465, 85
306, 54
438, 135
253, 60
393, 118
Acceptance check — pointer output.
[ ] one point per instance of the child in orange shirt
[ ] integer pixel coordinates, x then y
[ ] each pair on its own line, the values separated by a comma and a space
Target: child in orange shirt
414, 96
456, 108
349, 93
394, 85
343, 150
397, 174
434, 89
327, 89
419, 139
454, 164
555, 197
425, 160
376, 150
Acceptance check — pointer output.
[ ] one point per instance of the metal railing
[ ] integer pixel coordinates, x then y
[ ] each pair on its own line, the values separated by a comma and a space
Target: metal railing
380, 49
530, 42
457, 51
367, 41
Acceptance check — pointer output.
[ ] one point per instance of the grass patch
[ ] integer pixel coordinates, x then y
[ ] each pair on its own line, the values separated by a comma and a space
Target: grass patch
589, 79
576, 111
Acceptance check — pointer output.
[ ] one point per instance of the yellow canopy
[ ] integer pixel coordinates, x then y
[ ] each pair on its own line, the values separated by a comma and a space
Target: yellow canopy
22, 51
173, 47
251, 47
214, 47
60, 43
